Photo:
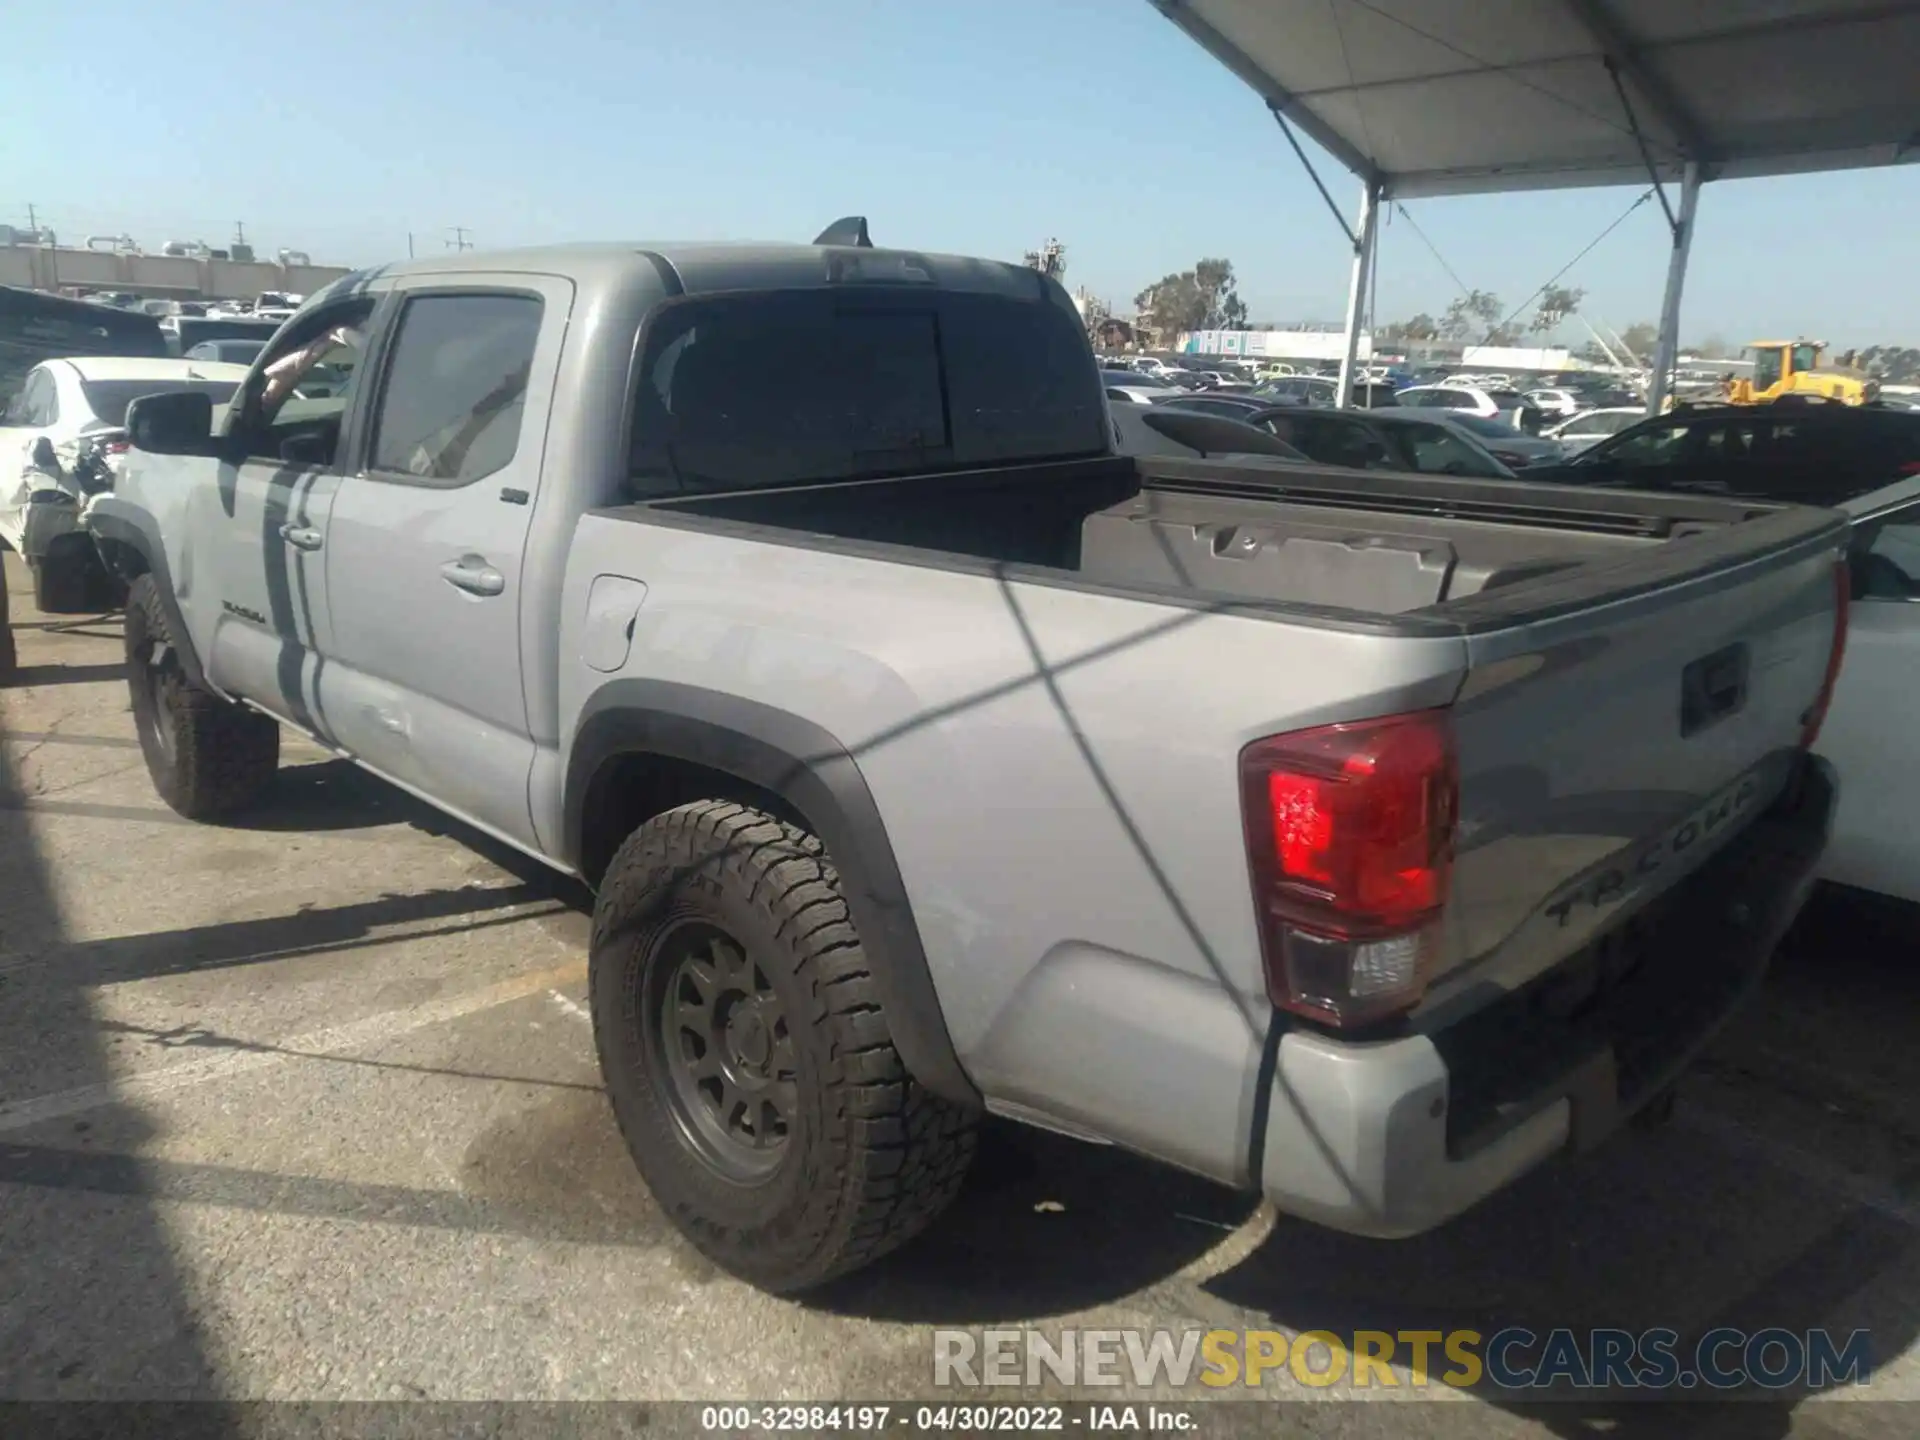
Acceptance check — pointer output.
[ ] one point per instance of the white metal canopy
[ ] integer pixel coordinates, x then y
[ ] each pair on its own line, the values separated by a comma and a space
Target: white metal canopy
1453, 97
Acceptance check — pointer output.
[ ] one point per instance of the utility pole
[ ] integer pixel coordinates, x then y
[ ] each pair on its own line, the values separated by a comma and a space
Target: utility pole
33, 219
459, 241
409, 245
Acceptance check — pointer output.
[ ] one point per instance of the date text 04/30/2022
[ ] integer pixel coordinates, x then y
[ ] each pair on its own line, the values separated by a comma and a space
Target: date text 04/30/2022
1011, 1419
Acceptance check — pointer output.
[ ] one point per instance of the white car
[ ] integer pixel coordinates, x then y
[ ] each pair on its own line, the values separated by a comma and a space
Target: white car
61, 409
1867, 732
1555, 402
1469, 399
1590, 427
1129, 387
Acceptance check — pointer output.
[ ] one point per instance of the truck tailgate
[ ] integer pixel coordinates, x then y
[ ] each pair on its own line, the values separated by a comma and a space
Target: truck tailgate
1608, 750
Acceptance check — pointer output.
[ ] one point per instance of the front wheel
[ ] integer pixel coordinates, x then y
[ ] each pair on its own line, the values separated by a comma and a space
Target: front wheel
207, 756
748, 1058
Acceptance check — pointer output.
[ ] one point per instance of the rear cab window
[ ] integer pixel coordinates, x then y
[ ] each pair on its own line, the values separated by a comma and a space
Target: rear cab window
781, 387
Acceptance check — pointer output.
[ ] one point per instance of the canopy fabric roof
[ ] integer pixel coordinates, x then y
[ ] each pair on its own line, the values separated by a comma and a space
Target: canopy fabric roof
1447, 97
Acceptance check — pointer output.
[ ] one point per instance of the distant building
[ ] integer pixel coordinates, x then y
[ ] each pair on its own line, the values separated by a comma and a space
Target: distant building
182, 271
1314, 344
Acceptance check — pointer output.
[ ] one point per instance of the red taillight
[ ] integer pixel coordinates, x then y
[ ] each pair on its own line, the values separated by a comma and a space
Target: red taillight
116, 447
1910, 469
1842, 598
1350, 836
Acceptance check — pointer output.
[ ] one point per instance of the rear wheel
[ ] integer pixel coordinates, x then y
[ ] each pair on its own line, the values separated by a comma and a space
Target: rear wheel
207, 756
748, 1057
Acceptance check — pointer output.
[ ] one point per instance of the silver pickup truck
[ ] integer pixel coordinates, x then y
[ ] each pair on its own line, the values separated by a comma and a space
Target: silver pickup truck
1358, 838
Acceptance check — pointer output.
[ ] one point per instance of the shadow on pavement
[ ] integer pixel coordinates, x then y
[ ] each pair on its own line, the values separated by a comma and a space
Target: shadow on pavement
92, 1302
27, 676
308, 930
338, 795
1003, 1252
1676, 1228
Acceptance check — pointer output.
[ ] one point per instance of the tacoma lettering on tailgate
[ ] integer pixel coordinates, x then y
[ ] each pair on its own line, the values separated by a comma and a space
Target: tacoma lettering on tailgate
1616, 880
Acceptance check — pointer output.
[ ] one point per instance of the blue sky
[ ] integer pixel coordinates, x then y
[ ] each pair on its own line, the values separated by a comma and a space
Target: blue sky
980, 127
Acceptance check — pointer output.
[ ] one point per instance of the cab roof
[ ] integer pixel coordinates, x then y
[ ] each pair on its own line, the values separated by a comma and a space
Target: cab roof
706, 266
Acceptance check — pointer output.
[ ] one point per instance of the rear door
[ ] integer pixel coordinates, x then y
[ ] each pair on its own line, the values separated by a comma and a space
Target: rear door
422, 680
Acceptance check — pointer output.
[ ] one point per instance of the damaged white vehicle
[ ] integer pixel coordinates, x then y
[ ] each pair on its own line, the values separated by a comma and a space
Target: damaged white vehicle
61, 439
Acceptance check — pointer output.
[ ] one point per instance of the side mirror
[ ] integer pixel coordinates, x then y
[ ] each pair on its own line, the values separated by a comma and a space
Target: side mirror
44, 460
176, 422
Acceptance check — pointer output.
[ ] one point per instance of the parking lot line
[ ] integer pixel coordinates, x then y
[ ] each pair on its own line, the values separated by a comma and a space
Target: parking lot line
372, 1030
572, 1007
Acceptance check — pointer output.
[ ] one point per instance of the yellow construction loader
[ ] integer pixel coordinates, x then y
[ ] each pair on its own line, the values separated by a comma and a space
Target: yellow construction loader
1792, 367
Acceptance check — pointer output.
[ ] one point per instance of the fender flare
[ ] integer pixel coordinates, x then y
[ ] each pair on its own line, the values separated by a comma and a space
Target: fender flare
813, 773
122, 524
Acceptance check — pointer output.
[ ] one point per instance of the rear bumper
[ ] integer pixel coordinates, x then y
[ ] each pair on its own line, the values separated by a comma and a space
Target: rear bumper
1393, 1137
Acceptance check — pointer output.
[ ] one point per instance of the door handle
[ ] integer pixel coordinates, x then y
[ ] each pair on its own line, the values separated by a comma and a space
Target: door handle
301, 537
474, 575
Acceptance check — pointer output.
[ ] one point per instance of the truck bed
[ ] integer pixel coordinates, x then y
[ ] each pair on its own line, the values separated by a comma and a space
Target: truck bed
1289, 534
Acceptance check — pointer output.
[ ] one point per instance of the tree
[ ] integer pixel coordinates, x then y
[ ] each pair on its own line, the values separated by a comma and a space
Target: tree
1641, 338
1203, 298
1470, 315
1891, 364
1712, 348
1557, 305
1225, 310
1420, 328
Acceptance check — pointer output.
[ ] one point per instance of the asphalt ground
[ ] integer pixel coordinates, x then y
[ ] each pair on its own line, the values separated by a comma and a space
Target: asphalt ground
305, 1108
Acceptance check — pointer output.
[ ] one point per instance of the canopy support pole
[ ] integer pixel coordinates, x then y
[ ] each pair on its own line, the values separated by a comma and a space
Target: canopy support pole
1667, 352
1363, 238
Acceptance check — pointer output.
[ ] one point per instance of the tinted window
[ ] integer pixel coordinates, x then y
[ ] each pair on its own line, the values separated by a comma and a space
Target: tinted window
1602, 424
1486, 427
108, 399
456, 385
1440, 450
1507, 399
1658, 444
1345, 443
750, 390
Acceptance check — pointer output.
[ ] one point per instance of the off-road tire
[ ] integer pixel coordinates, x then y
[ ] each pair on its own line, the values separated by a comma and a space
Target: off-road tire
62, 584
871, 1157
208, 756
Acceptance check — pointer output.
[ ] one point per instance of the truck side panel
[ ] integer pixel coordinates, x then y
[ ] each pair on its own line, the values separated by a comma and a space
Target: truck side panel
1065, 816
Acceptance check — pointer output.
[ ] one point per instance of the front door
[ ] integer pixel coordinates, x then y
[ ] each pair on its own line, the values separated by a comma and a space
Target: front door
422, 677
260, 591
